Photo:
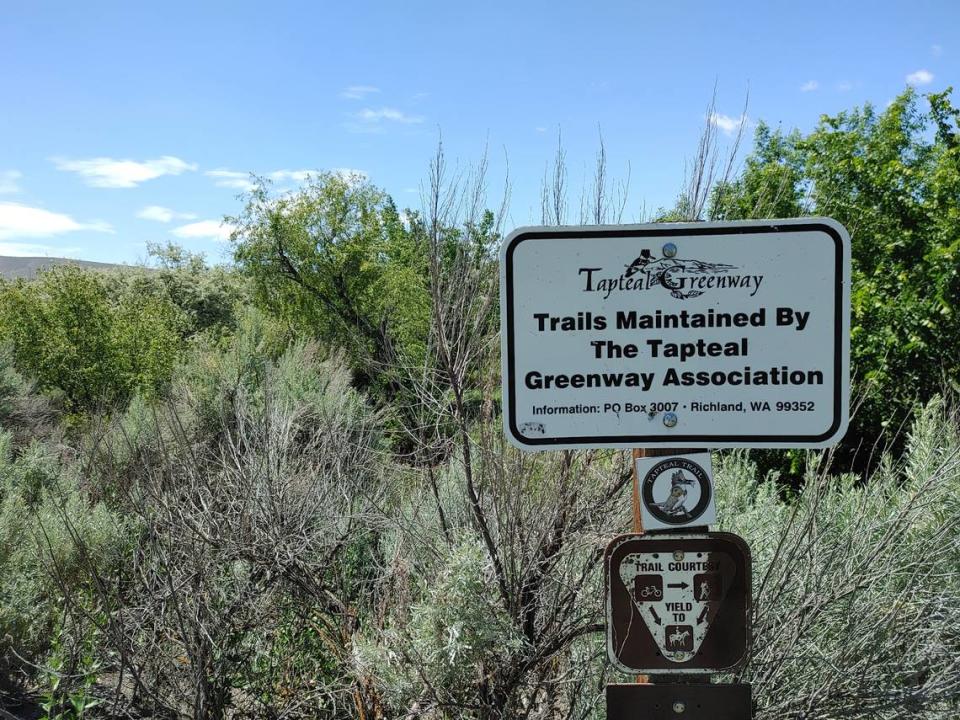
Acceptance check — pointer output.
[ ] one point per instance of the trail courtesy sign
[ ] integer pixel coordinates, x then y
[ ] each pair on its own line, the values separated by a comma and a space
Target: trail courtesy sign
694, 335
677, 603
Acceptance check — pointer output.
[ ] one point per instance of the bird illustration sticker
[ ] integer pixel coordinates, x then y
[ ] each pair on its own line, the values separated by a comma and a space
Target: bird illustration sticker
676, 491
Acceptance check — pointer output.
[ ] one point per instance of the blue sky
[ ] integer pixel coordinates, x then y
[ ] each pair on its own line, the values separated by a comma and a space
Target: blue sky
124, 123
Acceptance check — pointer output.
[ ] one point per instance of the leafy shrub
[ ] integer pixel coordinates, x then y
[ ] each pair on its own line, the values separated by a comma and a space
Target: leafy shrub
855, 595
24, 413
50, 539
252, 482
208, 297
68, 333
893, 179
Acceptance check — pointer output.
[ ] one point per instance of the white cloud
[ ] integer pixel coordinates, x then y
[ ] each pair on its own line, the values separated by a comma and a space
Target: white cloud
371, 120
358, 92
8, 181
109, 173
726, 123
231, 179
159, 213
242, 181
920, 77
844, 86
208, 229
809, 86
295, 175
24, 221
16, 249
387, 113
540, 129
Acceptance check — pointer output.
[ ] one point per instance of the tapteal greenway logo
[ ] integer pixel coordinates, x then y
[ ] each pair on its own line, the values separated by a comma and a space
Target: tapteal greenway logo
683, 278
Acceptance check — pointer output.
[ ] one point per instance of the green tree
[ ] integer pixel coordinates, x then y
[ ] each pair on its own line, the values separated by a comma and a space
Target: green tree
208, 296
771, 184
893, 179
336, 260
68, 333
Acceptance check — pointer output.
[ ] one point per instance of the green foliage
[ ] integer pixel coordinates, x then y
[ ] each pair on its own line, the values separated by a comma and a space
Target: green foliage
43, 513
208, 297
336, 261
72, 336
855, 611
25, 413
455, 633
771, 184
459, 625
68, 680
893, 179
12, 385
896, 187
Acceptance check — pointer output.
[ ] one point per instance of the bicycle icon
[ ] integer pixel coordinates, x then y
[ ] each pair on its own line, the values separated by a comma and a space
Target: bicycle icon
651, 591
647, 588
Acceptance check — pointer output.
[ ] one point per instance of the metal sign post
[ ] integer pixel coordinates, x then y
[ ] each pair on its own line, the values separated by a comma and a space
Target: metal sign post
673, 702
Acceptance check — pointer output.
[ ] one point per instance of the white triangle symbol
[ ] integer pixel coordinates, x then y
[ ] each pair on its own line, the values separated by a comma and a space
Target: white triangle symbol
678, 595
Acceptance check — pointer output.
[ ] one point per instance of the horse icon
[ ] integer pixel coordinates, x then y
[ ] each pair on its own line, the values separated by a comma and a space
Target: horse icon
678, 637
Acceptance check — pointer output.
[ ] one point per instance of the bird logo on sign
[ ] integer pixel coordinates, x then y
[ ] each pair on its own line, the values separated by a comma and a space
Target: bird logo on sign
675, 504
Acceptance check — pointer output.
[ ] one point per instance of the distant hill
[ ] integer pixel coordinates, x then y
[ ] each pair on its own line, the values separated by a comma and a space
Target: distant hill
28, 267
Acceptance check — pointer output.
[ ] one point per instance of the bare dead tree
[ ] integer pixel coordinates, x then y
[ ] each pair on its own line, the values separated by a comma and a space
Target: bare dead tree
702, 171
541, 540
603, 202
553, 189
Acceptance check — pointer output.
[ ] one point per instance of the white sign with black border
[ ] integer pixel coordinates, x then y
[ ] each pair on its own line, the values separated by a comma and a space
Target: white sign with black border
676, 491
698, 335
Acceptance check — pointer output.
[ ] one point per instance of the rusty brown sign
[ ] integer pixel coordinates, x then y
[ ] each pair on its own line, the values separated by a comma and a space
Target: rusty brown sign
677, 603
678, 702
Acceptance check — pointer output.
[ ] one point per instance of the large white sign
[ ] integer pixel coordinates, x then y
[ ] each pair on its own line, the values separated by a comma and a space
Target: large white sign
689, 335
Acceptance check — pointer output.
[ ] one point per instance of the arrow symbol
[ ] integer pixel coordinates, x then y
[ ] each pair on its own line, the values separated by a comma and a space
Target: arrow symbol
680, 585
703, 614
656, 618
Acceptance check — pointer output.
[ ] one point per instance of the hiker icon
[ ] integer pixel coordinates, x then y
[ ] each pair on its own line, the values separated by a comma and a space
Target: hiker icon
707, 586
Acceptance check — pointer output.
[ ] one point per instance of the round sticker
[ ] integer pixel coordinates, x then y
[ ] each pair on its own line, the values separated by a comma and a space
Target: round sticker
676, 491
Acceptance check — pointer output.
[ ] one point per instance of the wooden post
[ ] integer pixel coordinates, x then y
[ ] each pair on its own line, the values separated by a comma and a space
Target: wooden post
637, 517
